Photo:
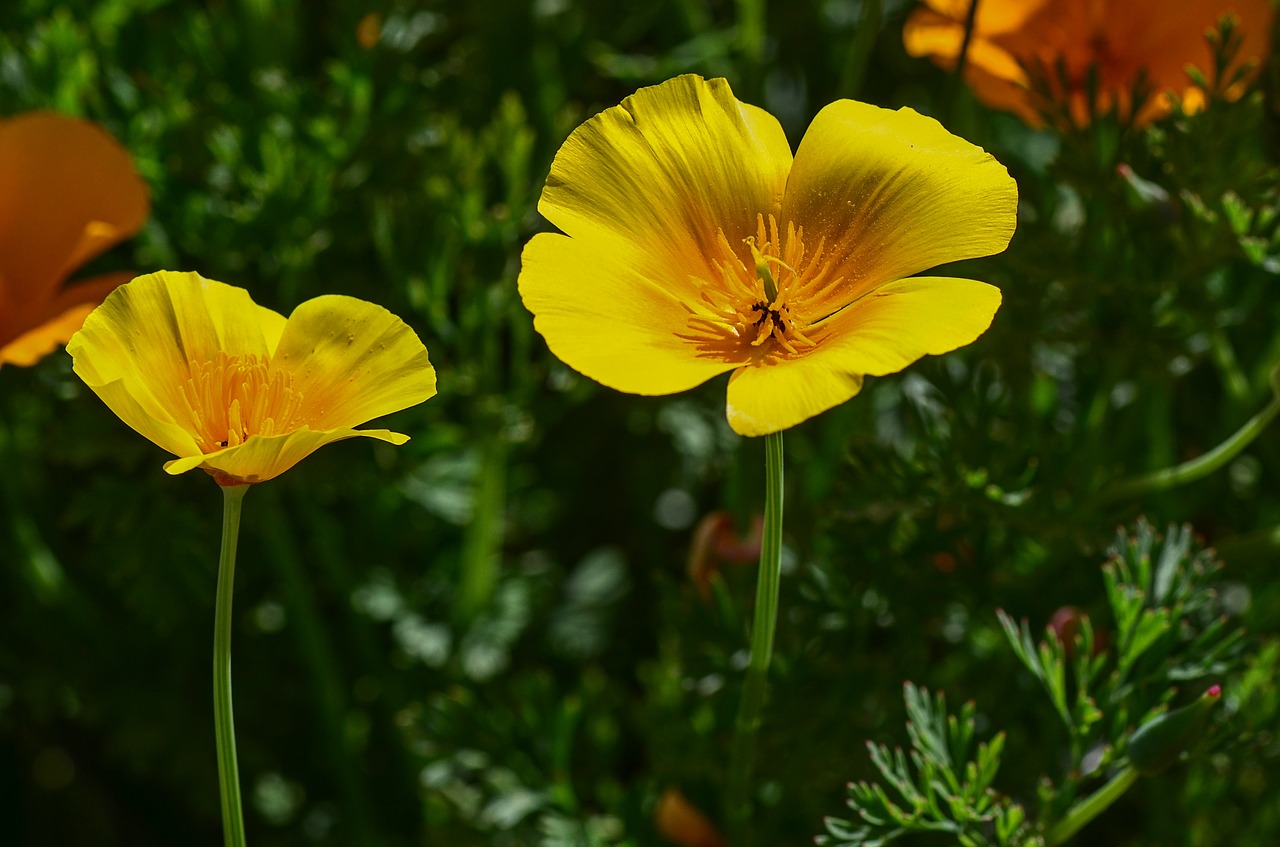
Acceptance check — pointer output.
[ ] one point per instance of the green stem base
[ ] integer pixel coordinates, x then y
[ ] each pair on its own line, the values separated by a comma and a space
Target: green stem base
223, 720
1090, 807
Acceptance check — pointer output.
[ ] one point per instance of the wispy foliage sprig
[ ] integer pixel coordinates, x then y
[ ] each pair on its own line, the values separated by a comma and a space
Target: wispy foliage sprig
942, 785
1169, 628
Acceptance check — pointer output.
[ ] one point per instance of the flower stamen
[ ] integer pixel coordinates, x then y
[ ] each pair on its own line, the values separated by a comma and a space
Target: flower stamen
232, 398
755, 308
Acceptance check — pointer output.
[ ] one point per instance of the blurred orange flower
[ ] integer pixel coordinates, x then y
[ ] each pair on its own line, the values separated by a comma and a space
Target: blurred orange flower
68, 192
369, 31
1033, 56
716, 543
680, 822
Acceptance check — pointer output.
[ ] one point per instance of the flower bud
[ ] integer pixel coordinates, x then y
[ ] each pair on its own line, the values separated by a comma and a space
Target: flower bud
1161, 741
1065, 625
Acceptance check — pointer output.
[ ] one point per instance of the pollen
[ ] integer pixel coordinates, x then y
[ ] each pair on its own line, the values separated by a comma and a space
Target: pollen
755, 306
234, 397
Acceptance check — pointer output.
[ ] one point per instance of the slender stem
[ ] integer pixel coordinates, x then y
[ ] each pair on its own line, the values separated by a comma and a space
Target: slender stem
755, 687
223, 720
861, 46
971, 18
1224, 356
482, 550
1198, 467
957, 78
751, 22
1090, 807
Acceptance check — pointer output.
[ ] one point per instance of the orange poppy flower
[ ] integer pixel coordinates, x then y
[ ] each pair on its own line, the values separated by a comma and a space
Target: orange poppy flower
1037, 56
681, 822
68, 192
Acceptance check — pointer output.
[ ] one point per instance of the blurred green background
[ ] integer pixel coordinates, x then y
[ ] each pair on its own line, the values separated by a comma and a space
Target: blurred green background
488, 636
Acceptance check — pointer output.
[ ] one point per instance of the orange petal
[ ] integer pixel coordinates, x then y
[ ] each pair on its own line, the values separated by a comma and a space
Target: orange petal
68, 311
994, 16
68, 191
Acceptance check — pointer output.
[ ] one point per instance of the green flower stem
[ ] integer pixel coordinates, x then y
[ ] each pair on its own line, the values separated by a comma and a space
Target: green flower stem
970, 20
957, 78
482, 549
1224, 356
861, 46
1090, 807
223, 720
742, 756
751, 23
1198, 467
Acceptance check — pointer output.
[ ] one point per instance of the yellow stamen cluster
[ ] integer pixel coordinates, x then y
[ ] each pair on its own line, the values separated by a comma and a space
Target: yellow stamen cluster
234, 397
760, 304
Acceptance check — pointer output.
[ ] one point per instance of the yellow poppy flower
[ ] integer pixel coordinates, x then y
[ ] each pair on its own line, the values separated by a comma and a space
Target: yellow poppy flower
694, 245
235, 388
1099, 48
68, 192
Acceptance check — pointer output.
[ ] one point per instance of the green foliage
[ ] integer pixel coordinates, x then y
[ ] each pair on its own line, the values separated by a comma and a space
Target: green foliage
1158, 744
489, 636
949, 791
1168, 628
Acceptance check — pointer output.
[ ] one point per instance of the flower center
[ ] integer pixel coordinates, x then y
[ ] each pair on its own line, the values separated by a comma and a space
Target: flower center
759, 307
234, 397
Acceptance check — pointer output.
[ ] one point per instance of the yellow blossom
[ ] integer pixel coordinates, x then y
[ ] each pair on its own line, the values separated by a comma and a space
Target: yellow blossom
694, 245
232, 387
68, 192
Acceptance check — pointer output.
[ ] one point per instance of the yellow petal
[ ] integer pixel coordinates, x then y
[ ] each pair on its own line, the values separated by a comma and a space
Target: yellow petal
136, 405
605, 319
265, 457
893, 193
880, 334
352, 361
778, 394
146, 334
67, 192
660, 174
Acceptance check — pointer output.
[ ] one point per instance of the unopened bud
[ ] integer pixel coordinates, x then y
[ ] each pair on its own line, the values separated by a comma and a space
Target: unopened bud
1065, 624
1145, 194
1161, 741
